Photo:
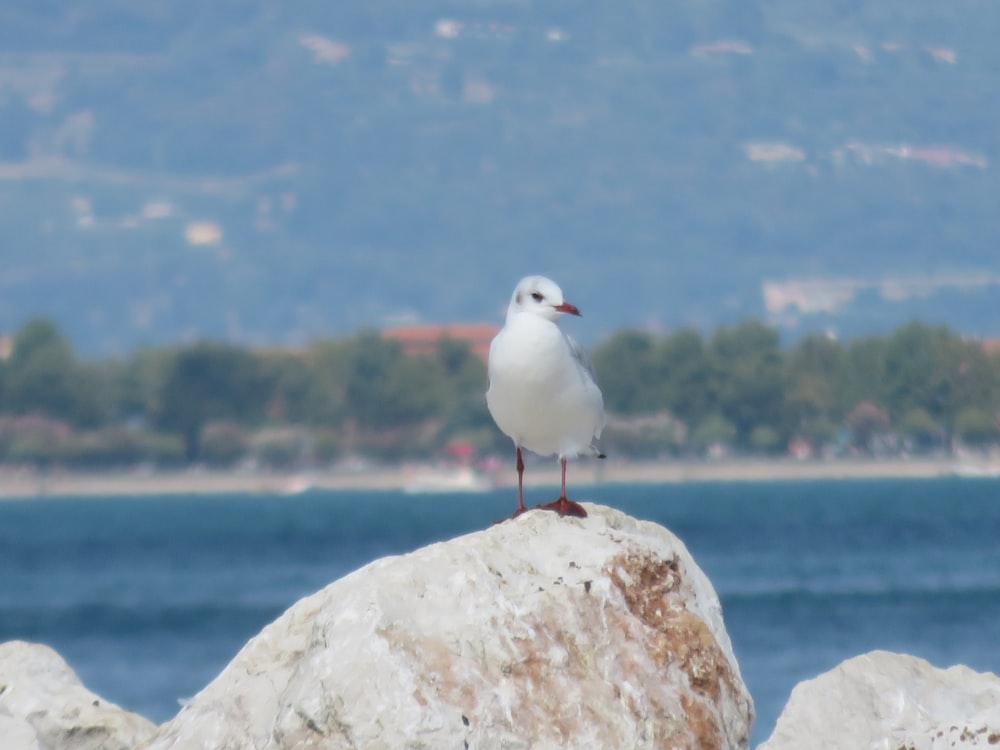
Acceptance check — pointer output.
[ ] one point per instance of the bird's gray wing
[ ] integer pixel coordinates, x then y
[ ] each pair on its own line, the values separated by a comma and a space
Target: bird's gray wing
587, 367
581, 357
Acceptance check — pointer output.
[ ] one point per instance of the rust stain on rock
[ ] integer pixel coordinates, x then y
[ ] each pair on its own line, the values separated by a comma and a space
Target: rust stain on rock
645, 580
702, 723
434, 662
651, 587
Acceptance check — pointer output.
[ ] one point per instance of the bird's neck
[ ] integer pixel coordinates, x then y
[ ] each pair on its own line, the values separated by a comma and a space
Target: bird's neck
523, 319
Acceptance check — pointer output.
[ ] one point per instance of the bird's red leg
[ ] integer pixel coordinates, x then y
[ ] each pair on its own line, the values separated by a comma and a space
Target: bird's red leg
564, 506
520, 484
520, 487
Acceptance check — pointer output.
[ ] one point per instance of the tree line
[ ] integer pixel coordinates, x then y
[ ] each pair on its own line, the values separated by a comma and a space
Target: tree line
920, 389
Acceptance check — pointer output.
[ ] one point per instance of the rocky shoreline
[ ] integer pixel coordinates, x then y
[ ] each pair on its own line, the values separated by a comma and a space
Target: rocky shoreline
540, 632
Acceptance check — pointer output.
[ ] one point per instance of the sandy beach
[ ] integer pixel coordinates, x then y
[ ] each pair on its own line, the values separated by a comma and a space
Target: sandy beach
22, 484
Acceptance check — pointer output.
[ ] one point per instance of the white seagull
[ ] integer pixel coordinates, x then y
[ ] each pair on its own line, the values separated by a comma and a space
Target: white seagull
542, 391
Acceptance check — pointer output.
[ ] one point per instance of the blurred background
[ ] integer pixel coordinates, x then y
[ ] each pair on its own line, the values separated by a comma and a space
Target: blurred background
750, 201
269, 173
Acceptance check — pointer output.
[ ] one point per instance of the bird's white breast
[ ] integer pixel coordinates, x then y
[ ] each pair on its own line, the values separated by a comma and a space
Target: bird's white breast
539, 395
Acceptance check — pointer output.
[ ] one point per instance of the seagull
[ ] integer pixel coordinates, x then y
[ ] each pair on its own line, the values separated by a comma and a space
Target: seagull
542, 392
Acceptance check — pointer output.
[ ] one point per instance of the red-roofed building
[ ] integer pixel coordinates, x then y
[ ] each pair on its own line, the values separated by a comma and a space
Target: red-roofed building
990, 346
425, 339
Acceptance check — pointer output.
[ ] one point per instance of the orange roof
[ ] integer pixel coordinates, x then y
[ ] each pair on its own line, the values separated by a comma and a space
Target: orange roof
990, 346
424, 339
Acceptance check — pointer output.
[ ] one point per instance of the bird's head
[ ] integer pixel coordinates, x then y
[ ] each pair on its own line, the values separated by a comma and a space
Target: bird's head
540, 296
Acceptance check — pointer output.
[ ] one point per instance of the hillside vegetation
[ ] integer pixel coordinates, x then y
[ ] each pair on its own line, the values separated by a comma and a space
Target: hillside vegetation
261, 171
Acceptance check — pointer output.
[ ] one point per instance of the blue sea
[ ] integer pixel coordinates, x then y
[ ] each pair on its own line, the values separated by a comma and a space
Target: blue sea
148, 598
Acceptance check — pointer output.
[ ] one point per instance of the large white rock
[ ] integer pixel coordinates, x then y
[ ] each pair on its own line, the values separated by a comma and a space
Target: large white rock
16, 732
540, 632
44, 706
887, 701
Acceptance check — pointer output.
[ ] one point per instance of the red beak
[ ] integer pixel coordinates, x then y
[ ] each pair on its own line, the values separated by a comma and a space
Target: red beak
566, 307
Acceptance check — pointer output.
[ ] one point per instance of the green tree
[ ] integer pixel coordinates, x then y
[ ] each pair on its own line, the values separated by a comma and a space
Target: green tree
280, 448
624, 368
976, 426
464, 409
713, 430
325, 446
414, 390
976, 378
295, 391
222, 443
920, 428
861, 374
32, 440
765, 439
207, 382
330, 364
386, 387
812, 368
457, 360
867, 422
643, 437
44, 378
463, 372
922, 370
137, 383
690, 382
749, 364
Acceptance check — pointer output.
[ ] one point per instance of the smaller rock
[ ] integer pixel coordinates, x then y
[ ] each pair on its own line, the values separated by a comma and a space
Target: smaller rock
44, 706
892, 701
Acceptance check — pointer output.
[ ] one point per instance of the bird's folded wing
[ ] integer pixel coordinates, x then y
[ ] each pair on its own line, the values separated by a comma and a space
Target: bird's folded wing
581, 356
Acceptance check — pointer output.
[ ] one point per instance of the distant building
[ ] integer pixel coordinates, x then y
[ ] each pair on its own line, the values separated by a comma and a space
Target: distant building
203, 233
943, 54
157, 210
424, 339
325, 50
722, 47
774, 152
6, 346
990, 346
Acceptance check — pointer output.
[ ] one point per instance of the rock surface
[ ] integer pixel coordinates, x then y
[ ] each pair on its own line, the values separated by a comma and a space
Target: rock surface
43, 706
540, 632
891, 702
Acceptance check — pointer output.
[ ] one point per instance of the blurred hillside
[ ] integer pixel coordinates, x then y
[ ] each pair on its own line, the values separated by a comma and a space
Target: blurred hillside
271, 172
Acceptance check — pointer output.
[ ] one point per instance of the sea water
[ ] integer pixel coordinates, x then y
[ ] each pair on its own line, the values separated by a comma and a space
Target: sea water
148, 598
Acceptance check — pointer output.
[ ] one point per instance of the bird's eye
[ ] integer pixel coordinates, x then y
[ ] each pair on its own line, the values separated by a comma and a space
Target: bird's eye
537, 296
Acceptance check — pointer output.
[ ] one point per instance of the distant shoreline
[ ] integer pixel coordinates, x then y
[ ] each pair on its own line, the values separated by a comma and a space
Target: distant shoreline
585, 473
